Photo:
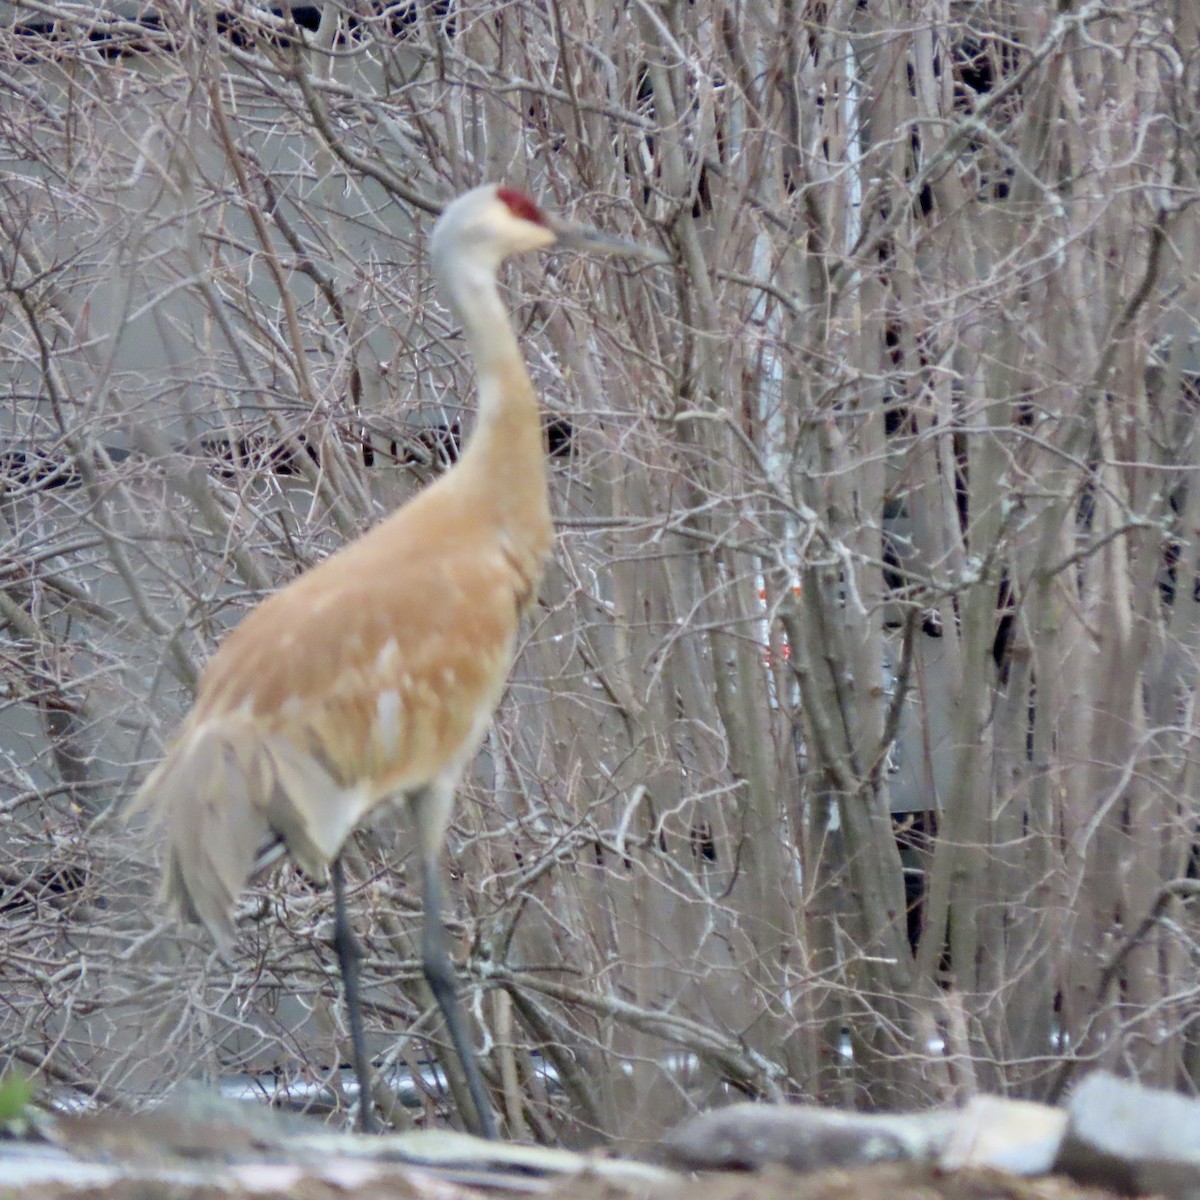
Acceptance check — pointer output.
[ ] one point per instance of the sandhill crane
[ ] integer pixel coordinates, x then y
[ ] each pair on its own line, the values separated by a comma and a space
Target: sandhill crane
374, 675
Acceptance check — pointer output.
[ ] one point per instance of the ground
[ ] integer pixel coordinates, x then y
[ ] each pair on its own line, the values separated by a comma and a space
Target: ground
281, 1182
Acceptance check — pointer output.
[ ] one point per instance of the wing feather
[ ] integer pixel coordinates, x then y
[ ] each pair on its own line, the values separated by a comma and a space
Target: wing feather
203, 794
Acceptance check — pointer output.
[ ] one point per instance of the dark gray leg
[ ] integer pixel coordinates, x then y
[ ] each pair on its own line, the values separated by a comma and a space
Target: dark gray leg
349, 953
439, 972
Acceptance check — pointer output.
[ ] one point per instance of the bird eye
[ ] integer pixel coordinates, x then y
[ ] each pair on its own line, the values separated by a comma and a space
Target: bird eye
520, 205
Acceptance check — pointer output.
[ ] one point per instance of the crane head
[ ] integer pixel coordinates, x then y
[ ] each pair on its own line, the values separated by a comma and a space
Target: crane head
494, 222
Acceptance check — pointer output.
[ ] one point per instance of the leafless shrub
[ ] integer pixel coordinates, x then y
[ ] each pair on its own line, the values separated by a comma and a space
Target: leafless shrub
856, 730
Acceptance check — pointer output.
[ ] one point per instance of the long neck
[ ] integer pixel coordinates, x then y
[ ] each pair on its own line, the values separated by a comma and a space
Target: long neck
504, 386
505, 457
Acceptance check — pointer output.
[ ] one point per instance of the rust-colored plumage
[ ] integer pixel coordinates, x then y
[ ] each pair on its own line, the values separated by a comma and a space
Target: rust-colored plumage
374, 675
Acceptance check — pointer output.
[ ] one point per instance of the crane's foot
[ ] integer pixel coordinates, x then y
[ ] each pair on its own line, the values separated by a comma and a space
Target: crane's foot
349, 953
443, 984
439, 973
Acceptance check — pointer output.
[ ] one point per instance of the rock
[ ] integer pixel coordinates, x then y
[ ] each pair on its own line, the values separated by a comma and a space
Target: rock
191, 1123
1132, 1139
803, 1137
1013, 1135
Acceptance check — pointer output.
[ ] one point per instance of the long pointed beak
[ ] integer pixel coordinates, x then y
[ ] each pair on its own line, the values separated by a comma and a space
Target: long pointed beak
593, 241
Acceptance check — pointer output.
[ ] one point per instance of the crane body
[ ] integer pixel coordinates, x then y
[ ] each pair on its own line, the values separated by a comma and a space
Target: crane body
374, 676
